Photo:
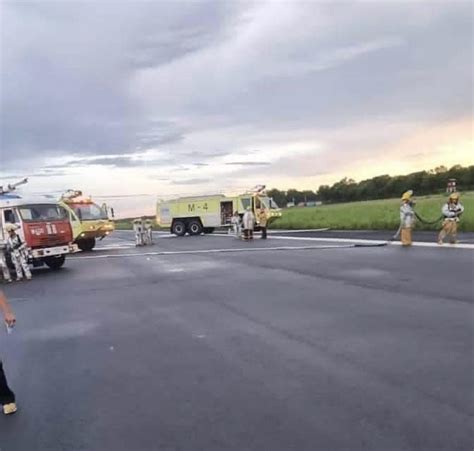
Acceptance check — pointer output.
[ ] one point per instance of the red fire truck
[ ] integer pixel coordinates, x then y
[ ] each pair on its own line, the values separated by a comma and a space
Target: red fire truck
42, 224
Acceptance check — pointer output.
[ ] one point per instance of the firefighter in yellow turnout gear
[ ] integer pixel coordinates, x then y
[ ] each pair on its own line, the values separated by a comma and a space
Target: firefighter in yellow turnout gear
407, 218
452, 210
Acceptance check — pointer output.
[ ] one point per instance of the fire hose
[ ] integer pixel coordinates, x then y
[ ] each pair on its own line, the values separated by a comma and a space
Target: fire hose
423, 221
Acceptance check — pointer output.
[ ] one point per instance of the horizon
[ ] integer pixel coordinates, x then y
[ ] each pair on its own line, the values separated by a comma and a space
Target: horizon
114, 199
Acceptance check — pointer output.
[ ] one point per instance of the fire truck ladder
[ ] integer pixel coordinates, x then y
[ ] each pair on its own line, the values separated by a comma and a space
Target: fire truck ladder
12, 187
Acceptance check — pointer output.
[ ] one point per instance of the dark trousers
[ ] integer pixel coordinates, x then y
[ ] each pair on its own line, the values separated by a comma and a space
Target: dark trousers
248, 234
6, 395
264, 233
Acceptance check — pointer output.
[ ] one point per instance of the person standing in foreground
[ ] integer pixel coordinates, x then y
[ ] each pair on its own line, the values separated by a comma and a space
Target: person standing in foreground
7, 397
248, 223
235, 221
263, 220
407, 218
3, 263
148, 231
18, 252
452, 210
139, 230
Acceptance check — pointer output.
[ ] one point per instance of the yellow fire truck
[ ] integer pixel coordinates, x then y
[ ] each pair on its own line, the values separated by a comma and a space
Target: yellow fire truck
195, 215
88, 220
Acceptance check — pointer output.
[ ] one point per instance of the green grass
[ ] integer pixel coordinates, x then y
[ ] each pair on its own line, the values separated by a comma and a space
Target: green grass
374, 215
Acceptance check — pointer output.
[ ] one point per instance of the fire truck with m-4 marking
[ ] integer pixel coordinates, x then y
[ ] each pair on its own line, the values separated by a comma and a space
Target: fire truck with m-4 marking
195, 215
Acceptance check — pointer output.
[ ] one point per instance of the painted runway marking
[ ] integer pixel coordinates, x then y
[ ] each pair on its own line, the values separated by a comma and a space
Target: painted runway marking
276, 231
216, 251
121, 246
365, 241
327, 240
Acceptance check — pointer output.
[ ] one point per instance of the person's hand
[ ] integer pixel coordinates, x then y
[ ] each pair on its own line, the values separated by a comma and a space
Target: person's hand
10, 319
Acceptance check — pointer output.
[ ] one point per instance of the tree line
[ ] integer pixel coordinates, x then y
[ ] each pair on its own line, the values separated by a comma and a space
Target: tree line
433, 181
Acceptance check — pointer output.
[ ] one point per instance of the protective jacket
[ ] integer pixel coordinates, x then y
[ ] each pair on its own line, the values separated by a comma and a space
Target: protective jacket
15, 244
452, 211
407, 215
235, 220
263, 219
248, 221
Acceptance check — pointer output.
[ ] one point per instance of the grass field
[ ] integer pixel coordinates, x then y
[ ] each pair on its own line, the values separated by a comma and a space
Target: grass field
372, 215
369, 215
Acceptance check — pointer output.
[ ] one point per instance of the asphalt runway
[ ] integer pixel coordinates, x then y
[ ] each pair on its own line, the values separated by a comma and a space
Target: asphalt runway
210, 343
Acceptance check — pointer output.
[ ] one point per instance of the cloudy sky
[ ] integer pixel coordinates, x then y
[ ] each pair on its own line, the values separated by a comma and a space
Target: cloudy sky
147, 99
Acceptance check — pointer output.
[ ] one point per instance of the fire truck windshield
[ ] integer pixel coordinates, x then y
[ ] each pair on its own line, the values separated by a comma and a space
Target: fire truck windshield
88, 212
268, 202
42, 212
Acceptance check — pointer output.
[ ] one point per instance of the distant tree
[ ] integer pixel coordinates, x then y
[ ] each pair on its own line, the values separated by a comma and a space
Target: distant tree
278, 196
293, 195
382, 186
440, 169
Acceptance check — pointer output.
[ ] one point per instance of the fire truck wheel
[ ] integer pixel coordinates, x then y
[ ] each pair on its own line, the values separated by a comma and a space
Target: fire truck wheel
178, 228
194, 227
87, 244
55, 262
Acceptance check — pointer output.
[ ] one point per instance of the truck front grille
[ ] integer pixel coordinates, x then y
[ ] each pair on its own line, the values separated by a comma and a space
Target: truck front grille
49, 241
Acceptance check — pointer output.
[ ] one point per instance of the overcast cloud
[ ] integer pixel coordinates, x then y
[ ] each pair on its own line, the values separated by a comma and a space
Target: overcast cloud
227, 94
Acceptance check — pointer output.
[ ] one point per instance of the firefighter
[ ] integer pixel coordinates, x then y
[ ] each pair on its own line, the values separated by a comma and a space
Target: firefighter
18, 252
452, 210
139, 232
3, 262
236, 224
248, 223
407, 218
262, 217
7, 397
148, 231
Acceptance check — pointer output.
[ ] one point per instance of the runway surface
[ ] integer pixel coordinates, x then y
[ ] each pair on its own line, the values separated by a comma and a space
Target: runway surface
210, 343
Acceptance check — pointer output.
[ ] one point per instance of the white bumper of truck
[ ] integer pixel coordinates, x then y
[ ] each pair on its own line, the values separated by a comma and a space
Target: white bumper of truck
54, 251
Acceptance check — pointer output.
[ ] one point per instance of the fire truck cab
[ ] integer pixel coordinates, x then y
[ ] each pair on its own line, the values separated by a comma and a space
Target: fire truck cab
42, 224
89, 221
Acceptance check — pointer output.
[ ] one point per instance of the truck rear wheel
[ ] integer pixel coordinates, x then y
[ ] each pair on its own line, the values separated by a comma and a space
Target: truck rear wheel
55, 262
86, 244
195, 227
178, 228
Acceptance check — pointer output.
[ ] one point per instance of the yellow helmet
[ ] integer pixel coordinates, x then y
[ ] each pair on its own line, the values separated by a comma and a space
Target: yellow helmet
407, 195
454, 196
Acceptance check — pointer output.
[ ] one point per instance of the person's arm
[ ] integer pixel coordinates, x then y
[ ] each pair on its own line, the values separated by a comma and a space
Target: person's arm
7, 311
402, 214
447, 212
